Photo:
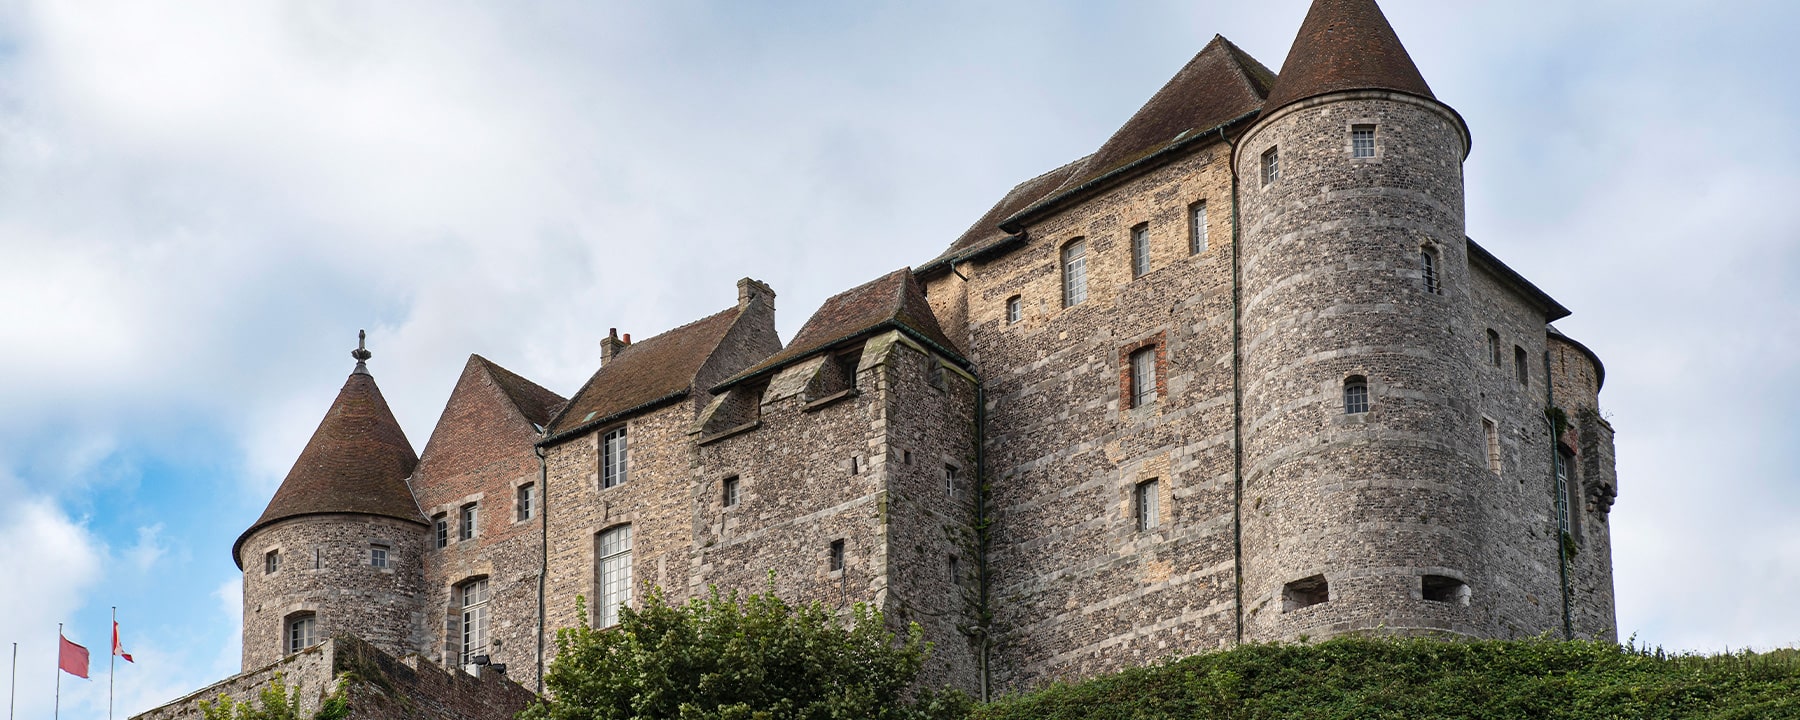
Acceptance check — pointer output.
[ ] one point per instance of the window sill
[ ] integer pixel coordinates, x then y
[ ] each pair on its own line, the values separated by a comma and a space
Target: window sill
828, 400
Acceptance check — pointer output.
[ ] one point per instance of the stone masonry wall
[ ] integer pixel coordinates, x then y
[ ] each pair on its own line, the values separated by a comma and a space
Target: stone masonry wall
325, 570
308, 673
1575, 380
1077, 588
482, 454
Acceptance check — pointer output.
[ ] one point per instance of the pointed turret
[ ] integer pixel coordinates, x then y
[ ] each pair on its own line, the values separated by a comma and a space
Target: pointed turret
357, 461
1344, 45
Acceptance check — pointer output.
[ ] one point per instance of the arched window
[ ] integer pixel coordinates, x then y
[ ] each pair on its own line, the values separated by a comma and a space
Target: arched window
302, 631
473, 597
1428, 271
1074, 272
613, 556
1494, 346
1356, 395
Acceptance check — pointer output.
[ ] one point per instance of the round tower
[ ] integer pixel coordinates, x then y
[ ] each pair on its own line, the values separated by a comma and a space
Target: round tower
1359, 438
340, 548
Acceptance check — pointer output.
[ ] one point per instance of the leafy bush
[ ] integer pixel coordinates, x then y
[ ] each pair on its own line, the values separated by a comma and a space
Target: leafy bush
723, 657
1362, 678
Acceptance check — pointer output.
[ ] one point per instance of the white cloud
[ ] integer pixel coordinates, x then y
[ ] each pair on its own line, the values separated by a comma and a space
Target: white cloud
51, 562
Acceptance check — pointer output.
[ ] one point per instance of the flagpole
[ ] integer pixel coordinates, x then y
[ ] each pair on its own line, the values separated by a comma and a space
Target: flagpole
56, 706
112, 660
12, 696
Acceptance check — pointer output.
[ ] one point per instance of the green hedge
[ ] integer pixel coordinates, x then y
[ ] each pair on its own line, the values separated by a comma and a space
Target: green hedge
1366, 678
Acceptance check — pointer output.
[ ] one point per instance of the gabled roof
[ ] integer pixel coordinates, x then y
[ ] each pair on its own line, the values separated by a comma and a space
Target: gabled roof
894, 301
986, 232
1345, 45
1220, 84
645, 374
357, 461
537, 404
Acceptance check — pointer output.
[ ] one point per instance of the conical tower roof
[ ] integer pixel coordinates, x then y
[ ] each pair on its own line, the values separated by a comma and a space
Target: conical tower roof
1344, 45
357, 461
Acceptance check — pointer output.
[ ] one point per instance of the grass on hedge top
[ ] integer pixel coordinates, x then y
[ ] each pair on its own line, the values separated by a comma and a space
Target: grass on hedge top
1363, 678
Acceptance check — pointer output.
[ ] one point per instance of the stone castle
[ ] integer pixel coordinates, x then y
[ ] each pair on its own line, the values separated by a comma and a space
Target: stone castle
1236, 376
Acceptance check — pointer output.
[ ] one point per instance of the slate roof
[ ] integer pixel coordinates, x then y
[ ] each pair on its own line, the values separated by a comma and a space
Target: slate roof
537, 404
894, 300
646, 373
1345, 45
357, 461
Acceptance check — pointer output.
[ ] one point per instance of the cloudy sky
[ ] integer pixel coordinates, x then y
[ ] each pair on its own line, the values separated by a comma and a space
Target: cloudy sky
202, 202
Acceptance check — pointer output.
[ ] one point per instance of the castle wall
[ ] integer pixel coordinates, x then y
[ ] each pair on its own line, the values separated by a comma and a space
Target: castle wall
1077, 589
483, 455
1376, 502
325, 570
1576, 382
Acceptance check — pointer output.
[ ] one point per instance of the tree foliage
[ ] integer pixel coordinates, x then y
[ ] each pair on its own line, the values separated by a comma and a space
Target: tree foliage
725, 657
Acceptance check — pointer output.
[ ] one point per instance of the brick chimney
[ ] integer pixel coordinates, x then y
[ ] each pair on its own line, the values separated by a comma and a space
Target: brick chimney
749, 289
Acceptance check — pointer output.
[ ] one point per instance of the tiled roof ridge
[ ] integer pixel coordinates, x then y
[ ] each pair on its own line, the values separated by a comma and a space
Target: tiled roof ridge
1345, 45
509, 384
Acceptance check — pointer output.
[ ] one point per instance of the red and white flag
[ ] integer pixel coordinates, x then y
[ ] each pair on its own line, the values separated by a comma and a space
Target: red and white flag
72, 658
119, 650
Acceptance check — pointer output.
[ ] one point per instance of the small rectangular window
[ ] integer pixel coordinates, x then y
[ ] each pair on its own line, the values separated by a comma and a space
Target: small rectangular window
378, 556
1521, 365
1305, 592
613, 453
1148, 502
1143, 377
1494, 346
906, 457
1140, 250
527, 501
1013, 310
1074, 276
1492, 431
1271, 166
730, 492
1444, 589
1428, 271
836, 560
1197, 234
318, 558
271, 562
302, 633
955, 571
950, 480
1362, 141
441, 524
467, 519
1356, 395
855, 465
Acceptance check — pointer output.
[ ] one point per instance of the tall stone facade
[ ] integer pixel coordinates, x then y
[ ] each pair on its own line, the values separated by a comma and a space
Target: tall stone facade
1236, 376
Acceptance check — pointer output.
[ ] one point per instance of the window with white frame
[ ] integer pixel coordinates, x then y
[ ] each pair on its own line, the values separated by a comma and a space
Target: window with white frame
467, 519
527, 501
1197, 237
1271, 166
1356, 395
1143, 377
440, 524
1362, 141
730, 491
271, 562
1147, 500
473, 597
613, 555
950, 480
378, 556
1013, 310
613, 455
1074, 273
1140, 250
302, 632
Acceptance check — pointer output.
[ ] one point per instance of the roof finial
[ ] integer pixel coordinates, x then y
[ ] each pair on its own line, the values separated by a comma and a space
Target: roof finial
361, 353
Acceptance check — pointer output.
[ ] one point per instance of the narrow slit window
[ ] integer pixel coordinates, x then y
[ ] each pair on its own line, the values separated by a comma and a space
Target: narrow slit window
1148, 502
950, 480
1492, 431
1494, 346
1140, 250
1305, 592
1521, 366
1074, 273
1013, 310
955, 571
1271, 166
1362, 141
1356, 395
1143, 377
835, 560
1197, 238
1428, 271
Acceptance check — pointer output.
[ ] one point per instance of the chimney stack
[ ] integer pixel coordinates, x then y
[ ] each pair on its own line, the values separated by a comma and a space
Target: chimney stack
611, 345
749, 289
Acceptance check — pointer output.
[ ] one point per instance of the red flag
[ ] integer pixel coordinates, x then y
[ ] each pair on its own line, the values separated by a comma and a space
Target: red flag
117, 650
72, 658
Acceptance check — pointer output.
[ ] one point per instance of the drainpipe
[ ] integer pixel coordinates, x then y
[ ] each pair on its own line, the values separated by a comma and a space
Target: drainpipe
1237, 400
981, 520
543, 550
1562, 504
